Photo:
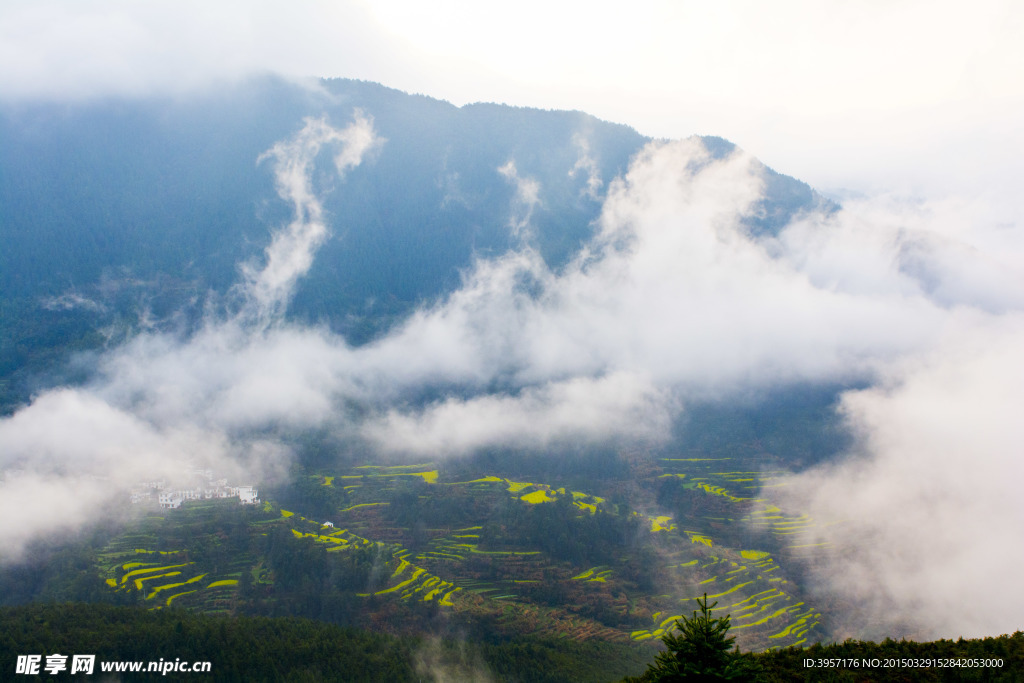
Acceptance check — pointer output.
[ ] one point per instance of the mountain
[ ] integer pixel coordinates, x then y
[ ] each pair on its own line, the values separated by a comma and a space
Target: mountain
116, 210
180, 236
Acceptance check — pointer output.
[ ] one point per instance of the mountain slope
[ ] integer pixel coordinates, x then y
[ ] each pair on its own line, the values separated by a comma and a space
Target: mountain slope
116, 212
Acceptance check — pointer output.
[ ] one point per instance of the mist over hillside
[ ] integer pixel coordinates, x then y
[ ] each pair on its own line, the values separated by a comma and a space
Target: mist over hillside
202, 280
169, 189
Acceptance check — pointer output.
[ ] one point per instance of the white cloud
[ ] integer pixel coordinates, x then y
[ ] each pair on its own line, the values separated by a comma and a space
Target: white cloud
925, 514
69, 429
586, 165
526, 200
887, 247
55, 48
290, 253
672, 288
604, 409
44, 507
675, 291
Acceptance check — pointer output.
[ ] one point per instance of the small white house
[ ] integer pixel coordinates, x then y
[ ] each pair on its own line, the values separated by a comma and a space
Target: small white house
248, 495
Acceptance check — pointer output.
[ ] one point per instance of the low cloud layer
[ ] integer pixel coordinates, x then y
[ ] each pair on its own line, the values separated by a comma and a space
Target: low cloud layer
923, 520
673, 301
620, 406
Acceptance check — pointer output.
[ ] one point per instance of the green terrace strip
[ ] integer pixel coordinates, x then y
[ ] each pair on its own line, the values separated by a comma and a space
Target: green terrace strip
362, 505
148, 570
419, 585
429, 476
141, 579
158, 589
599, 574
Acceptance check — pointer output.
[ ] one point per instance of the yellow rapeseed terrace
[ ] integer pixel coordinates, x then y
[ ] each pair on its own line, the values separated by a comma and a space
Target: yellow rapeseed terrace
699, 538
429, 477
447, 599
176, 595
662, 523
753, 554
138, 582
149, 570
540, 496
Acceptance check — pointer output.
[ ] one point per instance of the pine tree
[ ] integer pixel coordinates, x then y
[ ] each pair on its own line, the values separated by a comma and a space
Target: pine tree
700, 651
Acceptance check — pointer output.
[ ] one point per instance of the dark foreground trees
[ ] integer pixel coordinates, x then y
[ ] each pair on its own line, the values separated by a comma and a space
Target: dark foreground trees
699, 650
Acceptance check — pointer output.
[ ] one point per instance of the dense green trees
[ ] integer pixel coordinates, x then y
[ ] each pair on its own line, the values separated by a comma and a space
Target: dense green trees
256, 649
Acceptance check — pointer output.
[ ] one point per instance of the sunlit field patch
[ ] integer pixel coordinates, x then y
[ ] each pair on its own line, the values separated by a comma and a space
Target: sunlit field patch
362, 505
177, 595
662, 523
588, 575
535, 497
753, 554
158, 589
697, 537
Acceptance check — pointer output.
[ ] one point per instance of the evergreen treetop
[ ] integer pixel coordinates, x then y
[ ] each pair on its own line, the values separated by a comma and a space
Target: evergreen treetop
700, 651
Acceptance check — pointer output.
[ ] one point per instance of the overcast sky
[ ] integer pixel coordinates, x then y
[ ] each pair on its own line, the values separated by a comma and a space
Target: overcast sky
904, 95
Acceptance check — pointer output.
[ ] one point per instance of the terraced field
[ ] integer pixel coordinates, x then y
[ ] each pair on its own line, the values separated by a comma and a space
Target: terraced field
711, 476
749, 584
524, 557
133, 564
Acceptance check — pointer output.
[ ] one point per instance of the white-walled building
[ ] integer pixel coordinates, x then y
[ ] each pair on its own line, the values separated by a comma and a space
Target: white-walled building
173, 498
170, 499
